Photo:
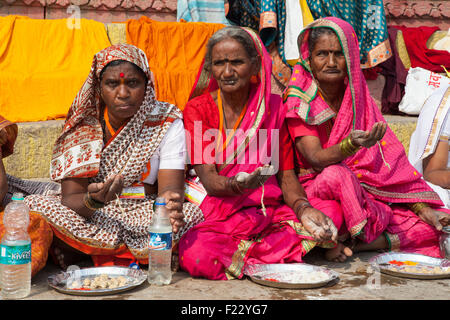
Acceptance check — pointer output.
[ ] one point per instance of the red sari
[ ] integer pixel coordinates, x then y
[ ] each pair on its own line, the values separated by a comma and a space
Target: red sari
372, 186
236, 232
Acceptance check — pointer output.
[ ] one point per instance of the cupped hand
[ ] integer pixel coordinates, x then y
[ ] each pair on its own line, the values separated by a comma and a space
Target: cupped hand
255, 179
106, 191
174, 206
435, 218
367, 139
320, 226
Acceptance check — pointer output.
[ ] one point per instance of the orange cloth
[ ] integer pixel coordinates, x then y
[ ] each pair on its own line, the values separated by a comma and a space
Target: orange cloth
41, 238
175, 51
43, 63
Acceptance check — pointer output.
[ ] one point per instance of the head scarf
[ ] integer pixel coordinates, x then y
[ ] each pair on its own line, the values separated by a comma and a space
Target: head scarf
383, 169
79, 149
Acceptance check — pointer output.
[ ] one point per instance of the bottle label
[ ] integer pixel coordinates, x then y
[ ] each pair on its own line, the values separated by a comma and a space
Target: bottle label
160, 241
15, 254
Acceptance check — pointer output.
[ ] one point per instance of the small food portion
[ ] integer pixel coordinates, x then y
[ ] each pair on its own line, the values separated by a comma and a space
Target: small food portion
416, 268
295, 277
102, 281
401, 263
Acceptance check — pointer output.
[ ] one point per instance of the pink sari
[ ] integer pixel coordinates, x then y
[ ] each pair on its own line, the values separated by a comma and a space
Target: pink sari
236, 232
371, 185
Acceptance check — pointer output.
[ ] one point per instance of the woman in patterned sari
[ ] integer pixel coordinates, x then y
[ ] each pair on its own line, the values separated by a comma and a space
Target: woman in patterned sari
346, 153
246, 221
119, 148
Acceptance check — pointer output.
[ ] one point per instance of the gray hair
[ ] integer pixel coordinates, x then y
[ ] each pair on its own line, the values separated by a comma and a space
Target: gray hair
235, 33
315, 34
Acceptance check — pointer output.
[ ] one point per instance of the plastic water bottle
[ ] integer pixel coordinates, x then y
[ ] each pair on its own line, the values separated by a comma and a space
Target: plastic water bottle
160, 245
15, 250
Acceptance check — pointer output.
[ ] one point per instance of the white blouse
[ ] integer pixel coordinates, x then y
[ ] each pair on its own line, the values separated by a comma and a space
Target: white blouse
171, 153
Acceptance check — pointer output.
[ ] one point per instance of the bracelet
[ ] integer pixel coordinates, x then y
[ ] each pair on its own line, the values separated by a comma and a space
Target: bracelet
347, 147
299, 199
302, 206
91, 203
417, 207
234, 186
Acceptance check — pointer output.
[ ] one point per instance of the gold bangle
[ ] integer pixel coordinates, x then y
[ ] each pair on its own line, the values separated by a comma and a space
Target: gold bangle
347, 147
92, 204
417, 207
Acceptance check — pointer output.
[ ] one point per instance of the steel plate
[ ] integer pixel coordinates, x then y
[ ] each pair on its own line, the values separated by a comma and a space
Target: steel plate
381, 263
62, 281
290, 275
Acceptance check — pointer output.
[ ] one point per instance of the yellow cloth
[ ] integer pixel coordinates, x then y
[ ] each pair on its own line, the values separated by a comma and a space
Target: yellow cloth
43, 64
117, 33
306, 13
175, 51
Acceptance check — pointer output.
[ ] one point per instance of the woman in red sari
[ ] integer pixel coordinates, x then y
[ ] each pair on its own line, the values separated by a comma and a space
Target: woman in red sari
346, 153
246, 221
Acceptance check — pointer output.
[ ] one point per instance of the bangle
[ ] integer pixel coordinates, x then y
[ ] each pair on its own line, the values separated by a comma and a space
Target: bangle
347, 147
233, 185
91, 203
417, 207
299, 199
302, 206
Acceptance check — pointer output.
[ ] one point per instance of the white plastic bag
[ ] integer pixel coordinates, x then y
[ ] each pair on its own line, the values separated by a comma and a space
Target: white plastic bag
420, 84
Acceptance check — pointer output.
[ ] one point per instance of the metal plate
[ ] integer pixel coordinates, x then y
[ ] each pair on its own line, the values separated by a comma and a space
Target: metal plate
290, 275
381, 263
62, 281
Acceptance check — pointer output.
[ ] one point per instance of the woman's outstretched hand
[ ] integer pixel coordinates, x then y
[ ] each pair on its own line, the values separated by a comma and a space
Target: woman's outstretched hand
255, 179
320, 226
367, 139
435, 218
106, 191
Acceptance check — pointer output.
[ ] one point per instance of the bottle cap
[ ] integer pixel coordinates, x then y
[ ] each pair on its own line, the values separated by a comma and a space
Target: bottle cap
160, 201
17, 196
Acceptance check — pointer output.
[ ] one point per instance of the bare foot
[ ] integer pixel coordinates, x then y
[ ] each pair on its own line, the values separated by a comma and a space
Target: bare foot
65, 258
338, 254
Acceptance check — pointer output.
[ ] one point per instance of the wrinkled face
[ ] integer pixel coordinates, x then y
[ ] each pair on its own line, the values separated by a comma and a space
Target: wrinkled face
122, 90
231, 66
327, 60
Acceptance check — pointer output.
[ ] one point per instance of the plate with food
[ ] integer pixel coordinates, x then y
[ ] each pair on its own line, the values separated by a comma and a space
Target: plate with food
97, 281
411, 265
290, 275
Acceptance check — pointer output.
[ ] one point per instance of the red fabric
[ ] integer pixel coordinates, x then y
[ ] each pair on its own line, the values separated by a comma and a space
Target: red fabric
419, 54
298, 128
203, 110
286, 149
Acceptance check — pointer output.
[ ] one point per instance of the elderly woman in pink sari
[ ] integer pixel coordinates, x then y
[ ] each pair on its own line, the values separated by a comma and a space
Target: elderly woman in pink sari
346, 153
246, 221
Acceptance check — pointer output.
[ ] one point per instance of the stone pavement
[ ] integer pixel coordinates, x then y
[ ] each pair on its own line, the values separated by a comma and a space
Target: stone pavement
357, 281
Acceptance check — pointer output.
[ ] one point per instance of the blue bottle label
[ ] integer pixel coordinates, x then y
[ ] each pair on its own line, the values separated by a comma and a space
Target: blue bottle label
13, 255
160, 241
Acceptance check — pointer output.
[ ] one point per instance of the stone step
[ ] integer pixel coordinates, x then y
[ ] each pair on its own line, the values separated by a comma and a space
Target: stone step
34, 144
